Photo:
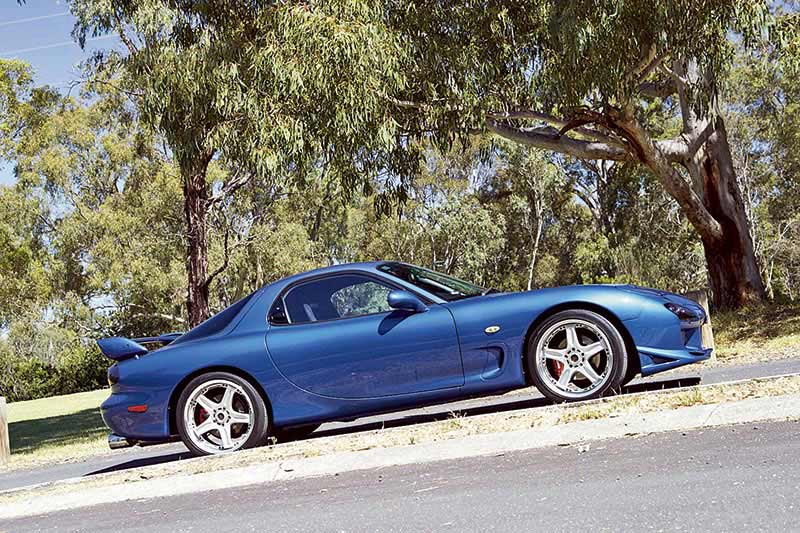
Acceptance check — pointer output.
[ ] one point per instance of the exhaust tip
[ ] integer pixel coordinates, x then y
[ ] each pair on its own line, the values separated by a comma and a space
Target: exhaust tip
117, 442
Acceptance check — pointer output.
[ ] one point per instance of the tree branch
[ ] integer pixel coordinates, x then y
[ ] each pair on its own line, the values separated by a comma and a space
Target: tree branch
224, 264
549, 139
238, 181
655, 155
655, 61
658, 89
679, 80
123, 36
558, 123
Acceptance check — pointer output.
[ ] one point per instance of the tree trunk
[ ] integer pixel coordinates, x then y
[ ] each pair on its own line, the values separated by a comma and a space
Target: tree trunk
732, 266
714, 206
534, 253
195, 203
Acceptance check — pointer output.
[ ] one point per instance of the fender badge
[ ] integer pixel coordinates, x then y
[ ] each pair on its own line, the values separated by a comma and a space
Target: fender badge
492, 329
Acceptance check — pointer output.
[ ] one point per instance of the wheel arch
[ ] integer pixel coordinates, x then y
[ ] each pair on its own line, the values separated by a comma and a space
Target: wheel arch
630, 346
179, 388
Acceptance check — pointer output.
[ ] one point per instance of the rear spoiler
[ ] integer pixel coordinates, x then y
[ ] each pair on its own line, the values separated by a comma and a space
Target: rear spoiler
121, 348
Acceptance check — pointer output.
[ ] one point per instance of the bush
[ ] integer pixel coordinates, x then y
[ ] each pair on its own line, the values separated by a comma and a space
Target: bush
77, 369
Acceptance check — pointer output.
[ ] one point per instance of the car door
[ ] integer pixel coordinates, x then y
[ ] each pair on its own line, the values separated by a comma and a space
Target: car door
342, 340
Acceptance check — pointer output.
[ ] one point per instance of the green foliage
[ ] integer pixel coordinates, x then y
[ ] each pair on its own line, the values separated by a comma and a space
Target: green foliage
267, 86
23, 279
764, 117
26, 377
475, 57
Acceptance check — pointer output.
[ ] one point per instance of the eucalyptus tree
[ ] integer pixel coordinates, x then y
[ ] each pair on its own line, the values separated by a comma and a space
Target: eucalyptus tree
23, 280
267, 89
581, 78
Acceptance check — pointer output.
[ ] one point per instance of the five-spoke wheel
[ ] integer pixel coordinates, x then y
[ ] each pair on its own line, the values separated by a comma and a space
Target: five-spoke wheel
576, 355
220, 412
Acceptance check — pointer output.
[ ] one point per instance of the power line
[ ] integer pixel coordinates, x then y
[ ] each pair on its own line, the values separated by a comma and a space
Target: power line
49, 46
33, 19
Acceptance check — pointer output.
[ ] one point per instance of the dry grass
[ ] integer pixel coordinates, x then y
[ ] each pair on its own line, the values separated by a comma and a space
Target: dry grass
459, 426
756, 334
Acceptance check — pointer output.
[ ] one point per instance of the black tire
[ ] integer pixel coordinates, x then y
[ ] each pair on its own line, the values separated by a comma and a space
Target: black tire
294, 433
631, 374
611, 377
261, 422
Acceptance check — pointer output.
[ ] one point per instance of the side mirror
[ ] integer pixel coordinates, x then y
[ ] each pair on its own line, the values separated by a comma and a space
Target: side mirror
405, 301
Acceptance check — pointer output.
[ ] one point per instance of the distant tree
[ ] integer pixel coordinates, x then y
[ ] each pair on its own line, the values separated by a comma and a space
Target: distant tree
267, 89
764, 112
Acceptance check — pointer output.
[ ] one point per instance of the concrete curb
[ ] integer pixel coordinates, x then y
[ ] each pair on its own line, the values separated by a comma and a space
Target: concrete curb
700, 416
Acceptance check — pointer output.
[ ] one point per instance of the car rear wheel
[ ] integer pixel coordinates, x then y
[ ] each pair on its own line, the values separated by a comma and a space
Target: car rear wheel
576, 355
219, 413
630, 375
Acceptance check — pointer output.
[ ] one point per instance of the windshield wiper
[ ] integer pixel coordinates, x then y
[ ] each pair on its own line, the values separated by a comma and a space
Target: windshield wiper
490, 290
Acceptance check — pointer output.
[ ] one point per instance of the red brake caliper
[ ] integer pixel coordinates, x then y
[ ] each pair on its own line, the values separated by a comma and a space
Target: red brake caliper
558, 368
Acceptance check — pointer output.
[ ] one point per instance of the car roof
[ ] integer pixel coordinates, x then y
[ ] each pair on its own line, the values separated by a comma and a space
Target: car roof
367, 265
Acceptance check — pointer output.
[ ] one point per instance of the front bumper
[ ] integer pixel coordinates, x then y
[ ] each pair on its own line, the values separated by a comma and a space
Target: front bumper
654, 360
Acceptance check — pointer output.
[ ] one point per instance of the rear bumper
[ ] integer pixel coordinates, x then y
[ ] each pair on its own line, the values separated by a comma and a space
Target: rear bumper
151, 425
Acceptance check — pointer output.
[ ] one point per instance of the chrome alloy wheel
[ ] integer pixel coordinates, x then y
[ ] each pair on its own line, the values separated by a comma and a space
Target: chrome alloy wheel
573, 358
219, 416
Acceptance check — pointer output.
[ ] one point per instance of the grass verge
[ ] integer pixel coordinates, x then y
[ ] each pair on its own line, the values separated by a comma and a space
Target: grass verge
56, 429
453, 428
755, 334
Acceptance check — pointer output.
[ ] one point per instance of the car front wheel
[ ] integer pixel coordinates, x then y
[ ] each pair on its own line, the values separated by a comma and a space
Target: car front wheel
220, 412
576, 355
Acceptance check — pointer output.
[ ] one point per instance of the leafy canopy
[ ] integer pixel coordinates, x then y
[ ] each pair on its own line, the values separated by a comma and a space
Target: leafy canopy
268, 86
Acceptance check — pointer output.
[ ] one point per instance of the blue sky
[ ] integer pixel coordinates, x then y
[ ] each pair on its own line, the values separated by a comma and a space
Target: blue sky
39, 32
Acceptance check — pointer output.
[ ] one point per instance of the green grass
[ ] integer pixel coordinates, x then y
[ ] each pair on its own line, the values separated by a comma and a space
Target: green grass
757, 333
56, 429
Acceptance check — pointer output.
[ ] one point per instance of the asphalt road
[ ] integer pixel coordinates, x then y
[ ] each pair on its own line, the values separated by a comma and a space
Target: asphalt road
137, 457
734, 478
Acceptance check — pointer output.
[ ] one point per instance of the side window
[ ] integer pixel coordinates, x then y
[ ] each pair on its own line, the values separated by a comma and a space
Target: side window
361, 299
335, 297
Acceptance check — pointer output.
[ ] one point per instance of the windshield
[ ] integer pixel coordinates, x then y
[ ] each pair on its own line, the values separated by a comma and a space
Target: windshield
445, 287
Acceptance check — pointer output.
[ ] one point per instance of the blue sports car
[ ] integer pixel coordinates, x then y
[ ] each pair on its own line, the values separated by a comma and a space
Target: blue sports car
348, 341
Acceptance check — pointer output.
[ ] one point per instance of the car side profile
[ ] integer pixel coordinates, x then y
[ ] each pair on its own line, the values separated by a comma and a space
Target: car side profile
354, 340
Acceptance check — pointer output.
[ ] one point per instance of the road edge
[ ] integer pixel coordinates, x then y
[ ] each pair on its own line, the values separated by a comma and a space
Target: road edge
772, 408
